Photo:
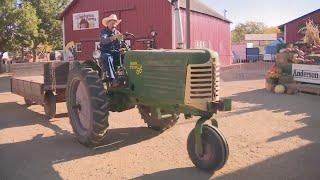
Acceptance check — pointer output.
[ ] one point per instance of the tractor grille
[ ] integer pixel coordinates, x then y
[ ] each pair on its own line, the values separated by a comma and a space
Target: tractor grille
202, 85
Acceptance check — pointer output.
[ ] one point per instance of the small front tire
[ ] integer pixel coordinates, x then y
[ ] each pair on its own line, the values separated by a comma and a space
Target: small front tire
215, 147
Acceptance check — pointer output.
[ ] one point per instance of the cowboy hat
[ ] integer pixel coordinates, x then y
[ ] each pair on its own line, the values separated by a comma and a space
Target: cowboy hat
111, 17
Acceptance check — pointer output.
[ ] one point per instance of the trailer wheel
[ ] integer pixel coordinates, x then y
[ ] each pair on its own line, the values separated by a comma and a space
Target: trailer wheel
215, 147
50, 104
87, 105
28, 102
157, 124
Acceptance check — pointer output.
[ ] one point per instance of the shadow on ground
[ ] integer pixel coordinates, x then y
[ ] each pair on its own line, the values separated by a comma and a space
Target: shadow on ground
35, 158
5, 84
289, 105
13, 115
301, 163
188, 173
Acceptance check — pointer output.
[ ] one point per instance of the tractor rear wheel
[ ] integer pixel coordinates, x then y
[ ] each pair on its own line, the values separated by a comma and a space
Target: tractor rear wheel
158, 124
87, 105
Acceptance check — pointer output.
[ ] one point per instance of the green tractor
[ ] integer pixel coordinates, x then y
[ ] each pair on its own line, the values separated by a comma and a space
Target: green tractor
162, 84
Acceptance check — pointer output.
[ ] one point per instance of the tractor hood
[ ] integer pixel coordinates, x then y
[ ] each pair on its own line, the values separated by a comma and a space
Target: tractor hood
158, 77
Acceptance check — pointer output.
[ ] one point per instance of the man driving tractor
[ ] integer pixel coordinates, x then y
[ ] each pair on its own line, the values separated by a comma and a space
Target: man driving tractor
110, 39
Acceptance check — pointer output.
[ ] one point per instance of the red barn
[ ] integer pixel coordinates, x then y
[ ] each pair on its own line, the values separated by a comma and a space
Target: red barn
82, 24
291, 29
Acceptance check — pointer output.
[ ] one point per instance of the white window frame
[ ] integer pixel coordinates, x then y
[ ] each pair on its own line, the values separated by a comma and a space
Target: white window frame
76, 47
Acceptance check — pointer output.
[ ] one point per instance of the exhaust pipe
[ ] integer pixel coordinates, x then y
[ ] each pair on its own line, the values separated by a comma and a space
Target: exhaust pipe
178, 24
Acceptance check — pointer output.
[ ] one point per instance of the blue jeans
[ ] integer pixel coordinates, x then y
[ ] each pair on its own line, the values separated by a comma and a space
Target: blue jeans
108, 64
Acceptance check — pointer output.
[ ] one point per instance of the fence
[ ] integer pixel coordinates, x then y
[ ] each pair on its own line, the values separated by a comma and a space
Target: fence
251, 67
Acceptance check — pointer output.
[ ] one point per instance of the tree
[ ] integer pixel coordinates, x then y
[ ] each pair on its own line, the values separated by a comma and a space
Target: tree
272, 30
18, 25
50, 32
7, 17
250, 27
26, 25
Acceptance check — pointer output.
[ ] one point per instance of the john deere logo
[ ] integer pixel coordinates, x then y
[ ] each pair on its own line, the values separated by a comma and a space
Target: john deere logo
137, 67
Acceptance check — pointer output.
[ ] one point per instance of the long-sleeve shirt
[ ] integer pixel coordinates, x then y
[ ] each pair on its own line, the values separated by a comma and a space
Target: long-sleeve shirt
108, 45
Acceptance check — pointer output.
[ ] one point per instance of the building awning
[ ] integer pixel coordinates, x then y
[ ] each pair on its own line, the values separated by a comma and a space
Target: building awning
261, 37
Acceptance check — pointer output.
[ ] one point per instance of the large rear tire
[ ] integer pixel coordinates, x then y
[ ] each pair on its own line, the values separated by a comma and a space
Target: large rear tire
215, 147
87, 106
158, 124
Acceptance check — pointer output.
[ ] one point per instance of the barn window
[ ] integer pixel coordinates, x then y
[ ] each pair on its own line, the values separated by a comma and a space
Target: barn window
201, 45
78, 47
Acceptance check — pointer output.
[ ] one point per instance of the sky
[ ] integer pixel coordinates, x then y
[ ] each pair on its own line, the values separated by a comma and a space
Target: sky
271, 12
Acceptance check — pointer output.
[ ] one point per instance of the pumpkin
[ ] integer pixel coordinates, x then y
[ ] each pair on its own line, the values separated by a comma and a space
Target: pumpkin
279, 89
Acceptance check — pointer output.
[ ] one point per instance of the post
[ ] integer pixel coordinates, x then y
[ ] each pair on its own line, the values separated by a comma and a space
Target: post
178, 23
188, 24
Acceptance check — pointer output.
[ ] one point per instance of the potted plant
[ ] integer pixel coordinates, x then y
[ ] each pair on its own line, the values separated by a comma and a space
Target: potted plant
272, 77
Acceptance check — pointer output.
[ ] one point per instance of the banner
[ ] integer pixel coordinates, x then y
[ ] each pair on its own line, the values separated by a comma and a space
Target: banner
86, 20
306, 73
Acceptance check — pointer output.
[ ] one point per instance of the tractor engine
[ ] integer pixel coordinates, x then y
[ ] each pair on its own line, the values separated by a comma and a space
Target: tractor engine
174, 77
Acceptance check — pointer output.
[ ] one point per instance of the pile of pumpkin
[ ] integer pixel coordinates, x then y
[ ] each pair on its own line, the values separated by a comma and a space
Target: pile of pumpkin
272, 80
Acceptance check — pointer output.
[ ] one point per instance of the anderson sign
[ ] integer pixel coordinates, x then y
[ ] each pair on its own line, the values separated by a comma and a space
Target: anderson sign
306, 73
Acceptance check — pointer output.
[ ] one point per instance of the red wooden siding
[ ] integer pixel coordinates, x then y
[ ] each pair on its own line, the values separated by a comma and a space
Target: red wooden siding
138, 17
214, 33
293, 27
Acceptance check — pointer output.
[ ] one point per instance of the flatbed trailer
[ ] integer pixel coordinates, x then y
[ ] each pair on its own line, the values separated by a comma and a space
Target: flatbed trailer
41, 83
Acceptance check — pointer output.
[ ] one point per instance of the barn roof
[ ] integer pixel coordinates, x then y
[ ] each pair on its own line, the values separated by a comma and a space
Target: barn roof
316, 11
195, 5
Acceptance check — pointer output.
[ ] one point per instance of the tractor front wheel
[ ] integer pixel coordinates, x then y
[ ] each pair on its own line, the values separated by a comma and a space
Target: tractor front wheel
87, 105
158, 124
215, 149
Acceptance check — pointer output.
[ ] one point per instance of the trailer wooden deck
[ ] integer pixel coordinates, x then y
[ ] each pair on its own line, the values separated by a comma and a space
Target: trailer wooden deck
38, 82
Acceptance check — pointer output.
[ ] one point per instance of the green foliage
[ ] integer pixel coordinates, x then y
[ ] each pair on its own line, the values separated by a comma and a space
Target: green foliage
50, 31
30, 24
250, 27
18, 26
27, 25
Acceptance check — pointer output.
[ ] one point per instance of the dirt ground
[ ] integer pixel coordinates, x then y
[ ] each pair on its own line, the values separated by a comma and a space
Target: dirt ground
270, 137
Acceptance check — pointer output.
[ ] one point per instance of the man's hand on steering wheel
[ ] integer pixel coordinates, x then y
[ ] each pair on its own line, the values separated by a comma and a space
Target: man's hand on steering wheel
118, 37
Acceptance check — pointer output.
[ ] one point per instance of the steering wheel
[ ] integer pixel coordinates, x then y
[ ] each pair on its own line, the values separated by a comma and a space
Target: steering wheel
131, 37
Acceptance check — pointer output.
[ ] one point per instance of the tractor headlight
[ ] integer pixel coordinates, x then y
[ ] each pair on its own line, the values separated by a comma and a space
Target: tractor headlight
96, 54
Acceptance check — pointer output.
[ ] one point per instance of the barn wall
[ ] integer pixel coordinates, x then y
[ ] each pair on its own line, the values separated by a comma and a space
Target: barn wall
210, 32
138, 17
293, 27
